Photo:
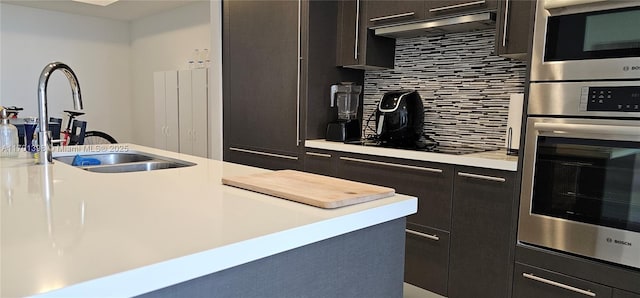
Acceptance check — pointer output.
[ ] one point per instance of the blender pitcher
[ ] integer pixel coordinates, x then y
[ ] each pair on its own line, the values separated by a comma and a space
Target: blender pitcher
346, 97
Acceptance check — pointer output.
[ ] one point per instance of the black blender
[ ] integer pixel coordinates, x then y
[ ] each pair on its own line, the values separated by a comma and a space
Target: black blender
346, 97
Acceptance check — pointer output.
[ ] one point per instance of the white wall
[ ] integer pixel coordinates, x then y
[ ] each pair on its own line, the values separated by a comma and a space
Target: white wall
96, 49
158, 44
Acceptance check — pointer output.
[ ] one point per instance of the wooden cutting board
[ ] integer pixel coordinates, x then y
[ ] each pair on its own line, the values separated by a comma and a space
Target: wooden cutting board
316, 190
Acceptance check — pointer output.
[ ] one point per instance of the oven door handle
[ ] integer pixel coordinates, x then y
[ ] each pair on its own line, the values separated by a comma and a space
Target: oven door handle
560, 128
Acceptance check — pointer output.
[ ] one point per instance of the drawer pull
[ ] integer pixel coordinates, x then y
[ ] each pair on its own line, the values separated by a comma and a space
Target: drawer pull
457, 6
432, 237
482, 177
400, 15
557, 284
318, 154
431, 170
263, 153
577, 164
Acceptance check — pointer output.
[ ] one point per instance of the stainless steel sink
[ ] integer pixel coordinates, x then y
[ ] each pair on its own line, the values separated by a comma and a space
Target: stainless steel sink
126, 162
137, 167
109, 158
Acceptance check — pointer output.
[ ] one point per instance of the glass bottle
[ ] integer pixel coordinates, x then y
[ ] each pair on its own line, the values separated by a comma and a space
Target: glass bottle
8, 136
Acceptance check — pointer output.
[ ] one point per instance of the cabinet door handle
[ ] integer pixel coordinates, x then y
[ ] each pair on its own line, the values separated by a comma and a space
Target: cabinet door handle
400, 15
431, 170
506, 20
299, 60
457, 6
577, 164
263, 153
318, 154
482, 177
592, 129
557, 284
355, 47
432, 237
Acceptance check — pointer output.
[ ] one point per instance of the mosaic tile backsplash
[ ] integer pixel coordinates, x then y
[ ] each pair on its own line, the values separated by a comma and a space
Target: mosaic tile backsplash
464, 87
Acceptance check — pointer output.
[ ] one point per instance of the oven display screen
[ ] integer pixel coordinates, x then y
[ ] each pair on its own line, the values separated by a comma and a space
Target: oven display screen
612, 31
593, 35
590, 181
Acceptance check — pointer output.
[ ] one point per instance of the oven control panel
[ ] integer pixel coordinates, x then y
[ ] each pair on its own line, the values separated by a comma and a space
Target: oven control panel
610, 99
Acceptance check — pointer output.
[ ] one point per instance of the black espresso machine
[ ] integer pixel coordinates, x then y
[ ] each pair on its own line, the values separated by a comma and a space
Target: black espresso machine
400, 119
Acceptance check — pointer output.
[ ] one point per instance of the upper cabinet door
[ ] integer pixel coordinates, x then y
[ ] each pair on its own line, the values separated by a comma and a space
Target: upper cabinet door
514, 28
357, 46
261, 75
441, 8
349, 31
390, 12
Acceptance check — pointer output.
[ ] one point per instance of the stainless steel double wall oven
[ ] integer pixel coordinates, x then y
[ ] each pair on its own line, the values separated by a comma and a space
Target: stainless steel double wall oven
581, 169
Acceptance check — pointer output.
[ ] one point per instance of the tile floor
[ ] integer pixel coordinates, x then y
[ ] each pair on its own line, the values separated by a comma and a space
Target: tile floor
411, 291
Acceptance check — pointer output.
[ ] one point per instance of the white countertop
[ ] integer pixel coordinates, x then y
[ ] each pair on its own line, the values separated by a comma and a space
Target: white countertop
67, 232
498, 160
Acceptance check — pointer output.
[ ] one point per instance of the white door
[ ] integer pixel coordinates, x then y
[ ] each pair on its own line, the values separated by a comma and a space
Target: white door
200, 111
166, 110
185, 111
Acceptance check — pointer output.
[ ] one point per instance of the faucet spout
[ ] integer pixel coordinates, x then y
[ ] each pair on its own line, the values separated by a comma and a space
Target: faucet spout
44, 135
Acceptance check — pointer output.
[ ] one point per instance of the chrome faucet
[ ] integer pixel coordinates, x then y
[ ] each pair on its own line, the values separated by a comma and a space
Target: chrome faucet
44, 135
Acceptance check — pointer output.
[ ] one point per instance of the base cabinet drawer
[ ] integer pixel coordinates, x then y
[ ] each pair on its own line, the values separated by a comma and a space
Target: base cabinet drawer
532, 282
262, 159
431, 183
480, 248
320, 162
427, 258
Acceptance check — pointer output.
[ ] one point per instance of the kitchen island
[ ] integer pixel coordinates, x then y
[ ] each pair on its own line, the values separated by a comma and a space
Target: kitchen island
67, 232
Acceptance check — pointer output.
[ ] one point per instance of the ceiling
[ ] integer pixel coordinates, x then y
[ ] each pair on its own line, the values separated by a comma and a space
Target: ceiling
124, 10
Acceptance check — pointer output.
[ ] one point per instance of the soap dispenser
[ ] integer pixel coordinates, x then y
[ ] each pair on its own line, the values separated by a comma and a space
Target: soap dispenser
8, 136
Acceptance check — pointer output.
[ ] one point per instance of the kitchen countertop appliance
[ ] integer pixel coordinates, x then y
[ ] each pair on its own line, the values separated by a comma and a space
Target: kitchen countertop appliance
581, 166
400, 118
346, 97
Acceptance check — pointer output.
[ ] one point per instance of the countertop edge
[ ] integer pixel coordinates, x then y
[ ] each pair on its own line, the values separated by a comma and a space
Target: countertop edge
157, 276
471, 160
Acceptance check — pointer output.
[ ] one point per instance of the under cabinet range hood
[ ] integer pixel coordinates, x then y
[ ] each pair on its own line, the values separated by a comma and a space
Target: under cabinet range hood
431, 27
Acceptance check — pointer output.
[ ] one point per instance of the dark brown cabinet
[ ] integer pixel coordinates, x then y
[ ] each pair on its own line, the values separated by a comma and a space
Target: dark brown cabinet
277, 81
541, 272
386, 12
261, 113
514, 26
445, 8
321, 162
427, 258
481, 234
532, 282
427, 248
461, 240
357, 46
431, 183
